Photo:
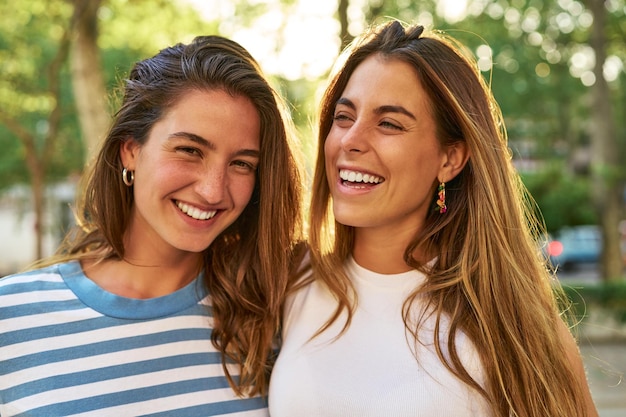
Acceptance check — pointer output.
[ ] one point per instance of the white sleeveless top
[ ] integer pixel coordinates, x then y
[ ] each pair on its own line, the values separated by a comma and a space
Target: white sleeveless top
370, 370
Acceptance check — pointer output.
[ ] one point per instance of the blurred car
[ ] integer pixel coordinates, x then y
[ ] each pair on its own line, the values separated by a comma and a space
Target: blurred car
573, 246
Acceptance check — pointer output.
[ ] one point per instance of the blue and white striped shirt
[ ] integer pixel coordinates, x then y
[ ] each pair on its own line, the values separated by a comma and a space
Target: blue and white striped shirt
69, 348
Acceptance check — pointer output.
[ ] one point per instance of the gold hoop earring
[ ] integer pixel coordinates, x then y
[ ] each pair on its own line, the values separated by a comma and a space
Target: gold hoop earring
125, 177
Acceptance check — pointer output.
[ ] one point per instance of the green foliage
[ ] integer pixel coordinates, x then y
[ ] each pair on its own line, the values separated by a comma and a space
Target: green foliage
610, 296
12, 168
563, 198
29, 39
146, 26
134, 30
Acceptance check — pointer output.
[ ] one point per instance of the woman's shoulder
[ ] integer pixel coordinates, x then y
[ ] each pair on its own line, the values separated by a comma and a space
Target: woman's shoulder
304, 288
37, 275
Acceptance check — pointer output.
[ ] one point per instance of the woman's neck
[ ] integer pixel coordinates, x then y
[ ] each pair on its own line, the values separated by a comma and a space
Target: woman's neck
379, 252
383, 251
136, 279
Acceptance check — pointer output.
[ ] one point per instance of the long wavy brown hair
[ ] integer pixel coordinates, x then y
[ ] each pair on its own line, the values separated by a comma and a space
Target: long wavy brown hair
247, 266
489, 277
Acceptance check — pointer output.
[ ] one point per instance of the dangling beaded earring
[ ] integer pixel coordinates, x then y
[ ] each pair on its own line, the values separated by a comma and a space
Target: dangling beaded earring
125, 177
441, 200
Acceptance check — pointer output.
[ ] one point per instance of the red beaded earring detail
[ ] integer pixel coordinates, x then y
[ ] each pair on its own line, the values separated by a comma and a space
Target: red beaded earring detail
441, 200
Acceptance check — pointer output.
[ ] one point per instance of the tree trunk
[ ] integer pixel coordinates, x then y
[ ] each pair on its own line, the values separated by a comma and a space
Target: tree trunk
342, 14
607, 195
87, 77
37, 170
37, 156
37, 191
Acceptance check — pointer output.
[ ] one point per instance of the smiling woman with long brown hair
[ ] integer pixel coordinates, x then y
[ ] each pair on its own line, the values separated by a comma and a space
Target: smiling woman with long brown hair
428, 295
166, 299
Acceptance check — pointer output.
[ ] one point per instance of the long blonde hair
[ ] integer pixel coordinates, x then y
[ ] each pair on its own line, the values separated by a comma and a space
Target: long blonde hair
247, 266
489, 278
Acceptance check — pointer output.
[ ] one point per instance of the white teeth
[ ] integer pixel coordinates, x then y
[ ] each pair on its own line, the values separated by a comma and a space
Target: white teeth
354, 176
195, 212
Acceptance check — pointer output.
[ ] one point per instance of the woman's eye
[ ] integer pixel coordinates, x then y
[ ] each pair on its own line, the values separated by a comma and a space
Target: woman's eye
343, 120
391, 125
188, 150
340, 117
245, 165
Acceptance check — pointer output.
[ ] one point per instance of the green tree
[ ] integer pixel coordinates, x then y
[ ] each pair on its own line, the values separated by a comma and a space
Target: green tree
34, 105
605, 169
88, 74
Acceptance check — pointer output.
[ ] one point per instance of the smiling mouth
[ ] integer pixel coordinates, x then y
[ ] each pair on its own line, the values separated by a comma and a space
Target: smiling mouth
359, 178
195, 212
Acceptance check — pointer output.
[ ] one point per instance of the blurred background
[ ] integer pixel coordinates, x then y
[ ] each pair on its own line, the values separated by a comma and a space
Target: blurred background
557, 68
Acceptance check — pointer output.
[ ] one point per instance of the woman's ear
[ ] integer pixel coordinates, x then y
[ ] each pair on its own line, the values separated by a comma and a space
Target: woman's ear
129, 150
457, 156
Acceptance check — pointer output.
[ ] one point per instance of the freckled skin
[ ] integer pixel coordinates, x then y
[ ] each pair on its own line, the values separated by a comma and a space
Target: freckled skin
175, 165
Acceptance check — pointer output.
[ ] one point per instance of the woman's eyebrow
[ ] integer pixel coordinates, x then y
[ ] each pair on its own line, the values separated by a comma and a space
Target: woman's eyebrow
255, 153
379, 110
194, 138
346, 102
394, 109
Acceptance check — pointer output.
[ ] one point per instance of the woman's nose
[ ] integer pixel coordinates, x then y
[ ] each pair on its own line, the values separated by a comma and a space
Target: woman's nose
354, 138
212, 185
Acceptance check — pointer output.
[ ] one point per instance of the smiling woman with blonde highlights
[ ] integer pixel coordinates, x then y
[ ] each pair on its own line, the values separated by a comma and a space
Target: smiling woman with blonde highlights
428, 295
